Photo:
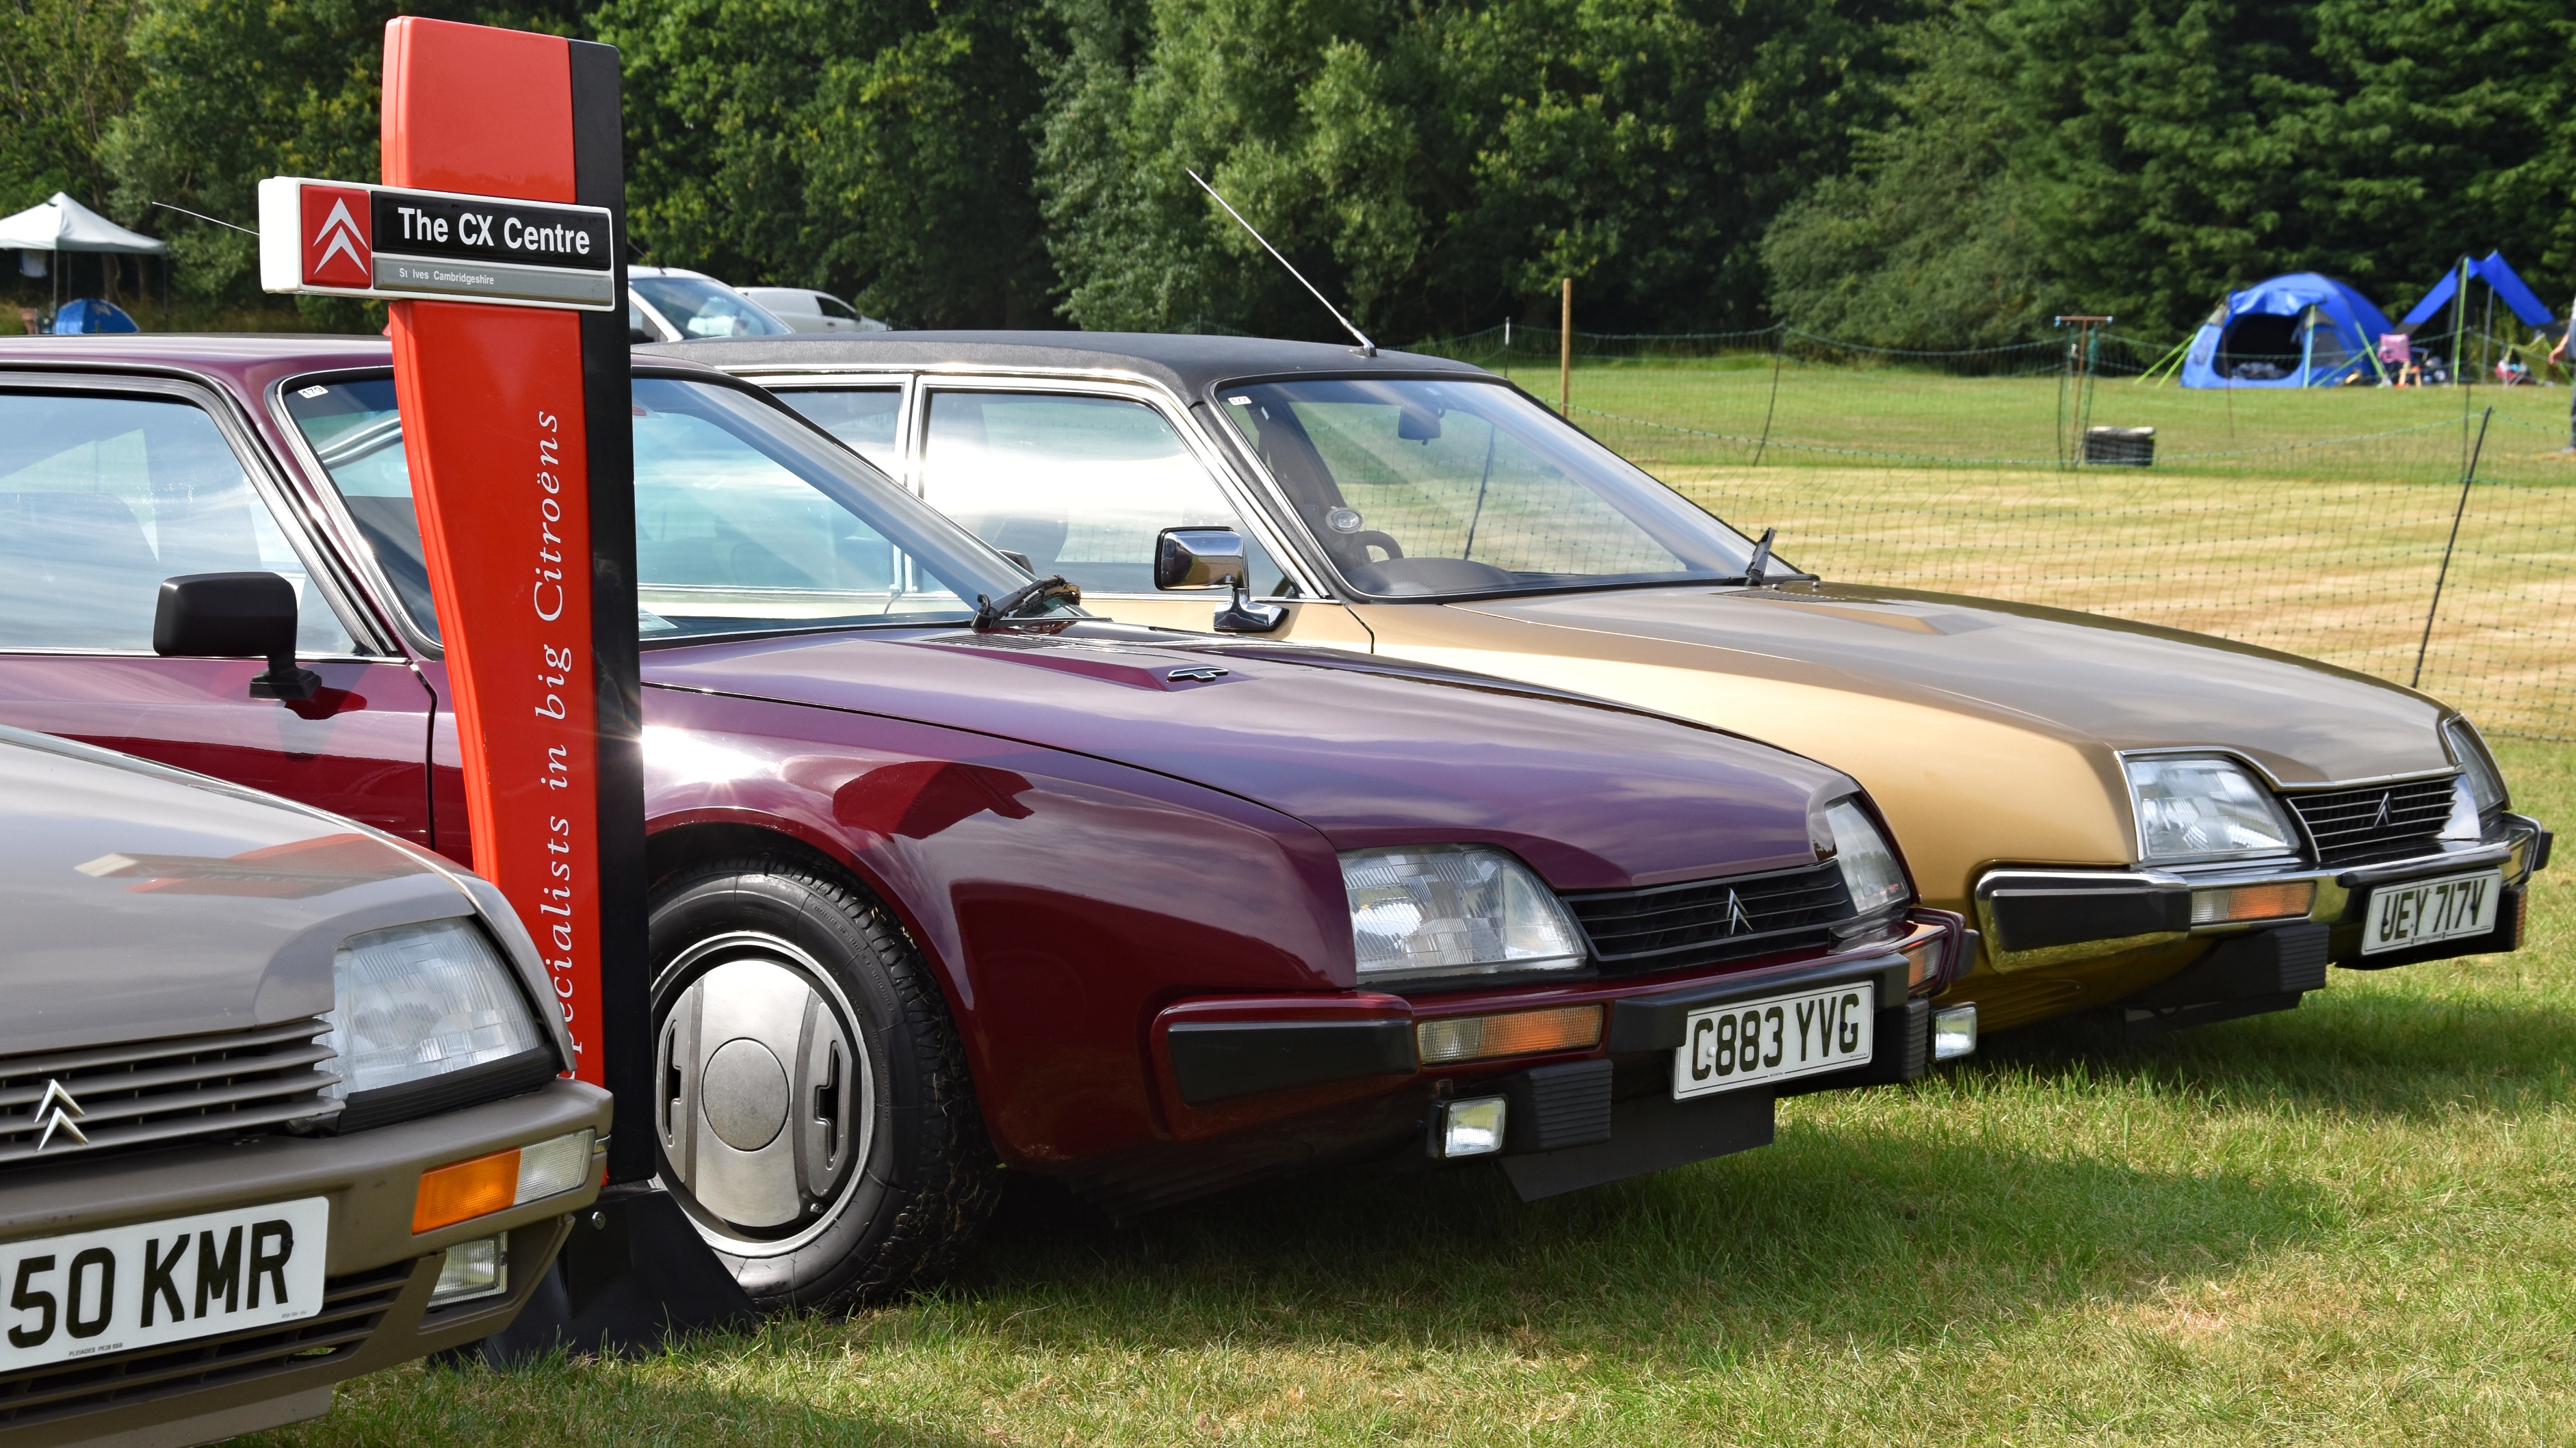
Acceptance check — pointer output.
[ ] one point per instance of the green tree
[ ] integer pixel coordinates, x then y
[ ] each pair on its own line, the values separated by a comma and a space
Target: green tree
237, 90
2143, 157
64, 76
877, 148
1438, 164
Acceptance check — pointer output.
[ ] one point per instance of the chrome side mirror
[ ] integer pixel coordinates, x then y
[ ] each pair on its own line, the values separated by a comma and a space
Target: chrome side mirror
1213, 558
1199, 558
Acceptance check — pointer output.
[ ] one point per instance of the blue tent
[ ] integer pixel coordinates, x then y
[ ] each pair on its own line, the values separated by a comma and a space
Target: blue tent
2496, 272
89, 314
2300, 330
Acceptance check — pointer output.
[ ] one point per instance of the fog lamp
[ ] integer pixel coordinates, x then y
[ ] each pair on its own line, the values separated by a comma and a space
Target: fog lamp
1954, 1032
1473, 1127
1521, 1033
480, 1268
466, 1189
2225, 904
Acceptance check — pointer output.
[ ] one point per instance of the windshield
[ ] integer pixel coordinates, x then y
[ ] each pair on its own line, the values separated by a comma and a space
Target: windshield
700, 308
1429, 487
745, 521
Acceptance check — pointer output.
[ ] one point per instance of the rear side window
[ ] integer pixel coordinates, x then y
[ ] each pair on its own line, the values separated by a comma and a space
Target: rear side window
863, 418
103, 497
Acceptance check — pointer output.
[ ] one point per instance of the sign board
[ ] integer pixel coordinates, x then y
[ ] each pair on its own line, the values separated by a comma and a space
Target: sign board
496, 241
335, 238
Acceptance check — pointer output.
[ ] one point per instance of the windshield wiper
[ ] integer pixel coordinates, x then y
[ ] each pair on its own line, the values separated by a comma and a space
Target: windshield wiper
1038, 597
1758, 571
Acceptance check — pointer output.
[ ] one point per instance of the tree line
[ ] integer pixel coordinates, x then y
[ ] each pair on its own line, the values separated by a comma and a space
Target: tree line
1930, 173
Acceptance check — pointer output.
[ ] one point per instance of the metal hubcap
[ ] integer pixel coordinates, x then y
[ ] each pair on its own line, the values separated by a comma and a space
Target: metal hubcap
766, 1099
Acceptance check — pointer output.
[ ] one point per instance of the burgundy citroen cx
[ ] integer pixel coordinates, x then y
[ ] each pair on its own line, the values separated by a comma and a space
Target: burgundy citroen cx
939, 887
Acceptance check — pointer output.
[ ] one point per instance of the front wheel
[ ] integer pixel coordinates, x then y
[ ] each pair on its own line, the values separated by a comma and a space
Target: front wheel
814, 1110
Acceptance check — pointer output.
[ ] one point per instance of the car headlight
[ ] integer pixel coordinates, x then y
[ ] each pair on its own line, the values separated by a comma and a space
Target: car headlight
2477, 767
1870, 869
1445, 910
2203, 808
419, 1001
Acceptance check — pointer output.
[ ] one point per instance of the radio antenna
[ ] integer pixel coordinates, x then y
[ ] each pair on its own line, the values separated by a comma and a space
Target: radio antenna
1367, 347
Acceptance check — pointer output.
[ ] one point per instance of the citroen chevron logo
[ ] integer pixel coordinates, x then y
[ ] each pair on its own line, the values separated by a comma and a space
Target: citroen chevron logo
2381, 820
1736, 920
58, 1112
339, 233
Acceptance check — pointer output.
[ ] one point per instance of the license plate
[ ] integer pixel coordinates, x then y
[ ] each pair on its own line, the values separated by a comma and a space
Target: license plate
115, 1289
1746, 1043
2430, 910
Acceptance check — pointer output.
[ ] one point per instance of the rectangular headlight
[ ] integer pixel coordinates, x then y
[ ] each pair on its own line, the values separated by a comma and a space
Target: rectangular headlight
2204, 807
2469, 751
1419, 911
419, 1001
1870, 871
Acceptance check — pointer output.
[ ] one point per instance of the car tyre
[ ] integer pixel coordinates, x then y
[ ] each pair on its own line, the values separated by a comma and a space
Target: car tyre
813, 1104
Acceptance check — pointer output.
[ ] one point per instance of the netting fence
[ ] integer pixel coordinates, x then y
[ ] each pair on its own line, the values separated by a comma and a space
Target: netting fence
2422, 534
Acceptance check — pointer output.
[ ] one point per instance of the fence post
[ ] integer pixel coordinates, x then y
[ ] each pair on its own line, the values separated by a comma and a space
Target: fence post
2468, 475
1565, 353
1779, 344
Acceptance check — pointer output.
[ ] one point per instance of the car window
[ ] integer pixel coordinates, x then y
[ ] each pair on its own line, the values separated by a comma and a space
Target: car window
1080, 485
1419, 487
832, 306
101, 498
744, 521
863, 418
700, 308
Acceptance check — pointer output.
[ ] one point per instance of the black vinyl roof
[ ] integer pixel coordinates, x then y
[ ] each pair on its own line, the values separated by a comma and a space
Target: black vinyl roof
1187, 363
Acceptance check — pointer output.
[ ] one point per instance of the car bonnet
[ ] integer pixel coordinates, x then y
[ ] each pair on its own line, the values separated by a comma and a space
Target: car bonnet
1594, 796
146, 902
2082, 677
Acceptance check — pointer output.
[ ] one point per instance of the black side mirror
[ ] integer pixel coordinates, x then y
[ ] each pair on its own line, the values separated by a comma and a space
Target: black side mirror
1213, 558
1199, 558
232, 616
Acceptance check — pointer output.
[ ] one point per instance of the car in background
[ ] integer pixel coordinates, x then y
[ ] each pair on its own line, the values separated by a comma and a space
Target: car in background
674, 304
279, 1104
807, 310
945, 872
2168, 826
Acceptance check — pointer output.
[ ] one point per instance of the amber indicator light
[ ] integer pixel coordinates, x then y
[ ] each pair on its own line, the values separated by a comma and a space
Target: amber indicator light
466, 1189
1520, 1033
2252, 902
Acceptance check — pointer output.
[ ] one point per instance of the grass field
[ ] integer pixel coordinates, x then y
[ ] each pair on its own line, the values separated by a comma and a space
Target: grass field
2347, 1224
2314, 522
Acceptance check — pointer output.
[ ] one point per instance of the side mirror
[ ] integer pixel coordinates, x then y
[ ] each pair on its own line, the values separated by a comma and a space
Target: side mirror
1199, 558
1213, 558
232, 616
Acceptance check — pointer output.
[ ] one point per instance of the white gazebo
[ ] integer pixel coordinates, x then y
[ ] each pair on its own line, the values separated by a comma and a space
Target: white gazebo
61, 225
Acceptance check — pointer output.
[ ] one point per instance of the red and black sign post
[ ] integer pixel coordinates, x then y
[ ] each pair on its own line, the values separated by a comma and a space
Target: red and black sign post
497, 242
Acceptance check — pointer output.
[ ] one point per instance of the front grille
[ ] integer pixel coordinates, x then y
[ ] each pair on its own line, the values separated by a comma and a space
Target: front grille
207, 1087
2383, 822
352, 1307
1669, 927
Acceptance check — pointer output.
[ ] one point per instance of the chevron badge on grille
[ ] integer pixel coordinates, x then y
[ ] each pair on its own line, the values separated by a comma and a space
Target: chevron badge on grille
2381, 820
1736, 920
59, 1112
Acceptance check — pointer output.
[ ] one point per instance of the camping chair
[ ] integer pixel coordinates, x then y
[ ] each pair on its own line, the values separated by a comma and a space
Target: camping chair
2397, 356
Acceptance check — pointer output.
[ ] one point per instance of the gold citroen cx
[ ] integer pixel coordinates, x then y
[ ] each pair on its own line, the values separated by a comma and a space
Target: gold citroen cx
2186, 829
